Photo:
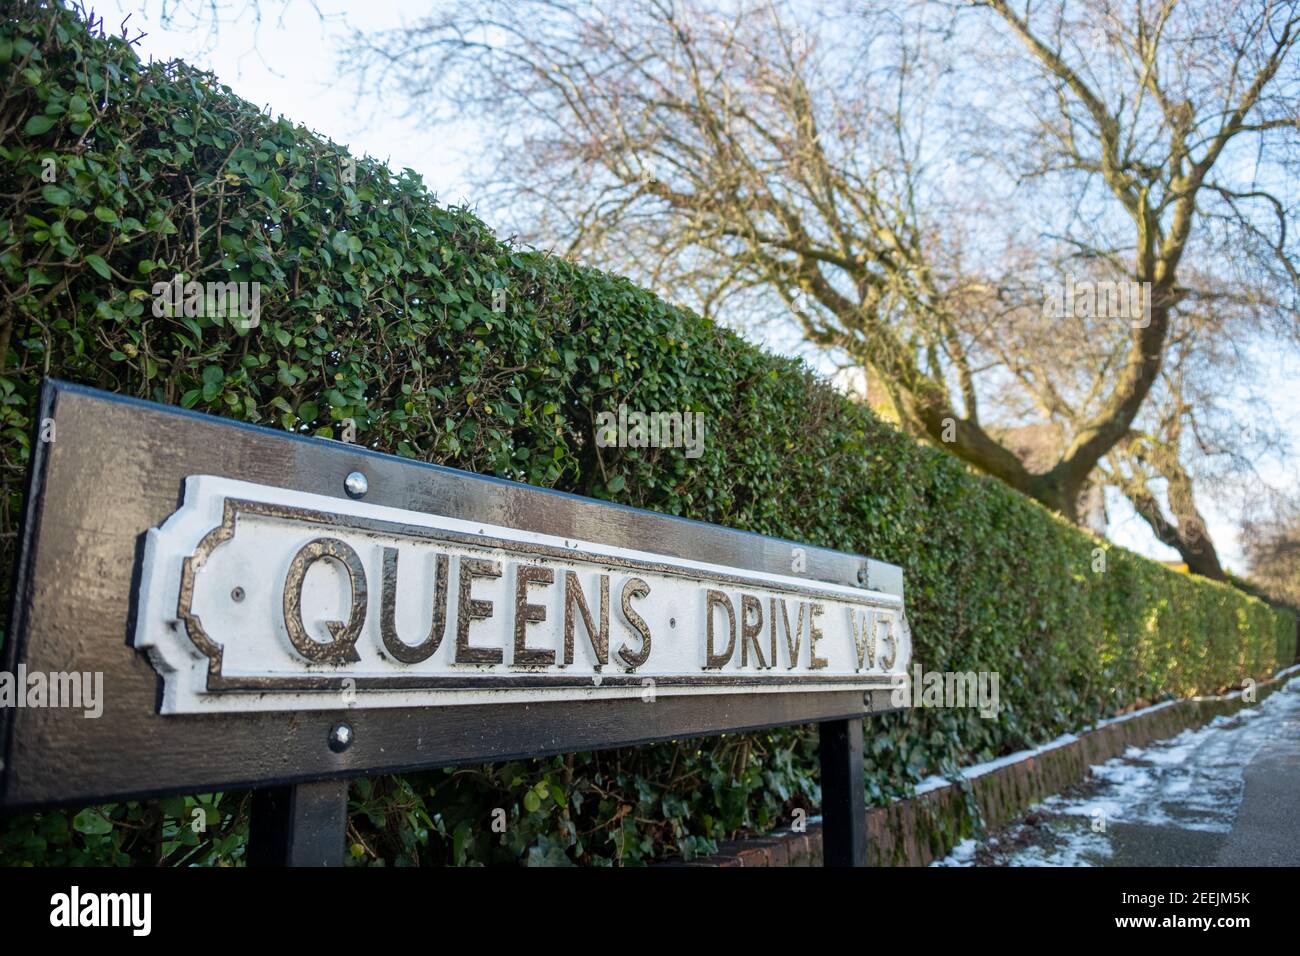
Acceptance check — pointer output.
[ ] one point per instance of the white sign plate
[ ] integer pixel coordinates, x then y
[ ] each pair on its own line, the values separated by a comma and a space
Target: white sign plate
254, 598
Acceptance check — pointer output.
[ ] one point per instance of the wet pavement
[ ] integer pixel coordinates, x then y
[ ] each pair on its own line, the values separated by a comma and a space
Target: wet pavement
1226, 794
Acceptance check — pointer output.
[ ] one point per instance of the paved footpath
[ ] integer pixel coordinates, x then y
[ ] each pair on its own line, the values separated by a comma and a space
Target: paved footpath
1227, 794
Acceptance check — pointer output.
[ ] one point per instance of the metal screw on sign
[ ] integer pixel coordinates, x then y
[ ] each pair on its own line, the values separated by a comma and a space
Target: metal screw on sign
340, 738
356, 484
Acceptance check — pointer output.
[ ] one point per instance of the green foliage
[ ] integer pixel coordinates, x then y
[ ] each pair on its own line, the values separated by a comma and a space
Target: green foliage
377, 307
177, 831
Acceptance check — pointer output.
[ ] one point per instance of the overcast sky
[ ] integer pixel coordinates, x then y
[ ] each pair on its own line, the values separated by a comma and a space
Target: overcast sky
288, 63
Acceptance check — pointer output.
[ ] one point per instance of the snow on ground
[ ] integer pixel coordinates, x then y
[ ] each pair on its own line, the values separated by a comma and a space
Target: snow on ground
1192, 781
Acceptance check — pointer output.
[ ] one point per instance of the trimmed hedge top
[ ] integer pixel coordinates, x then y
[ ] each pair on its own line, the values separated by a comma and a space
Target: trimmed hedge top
381, 308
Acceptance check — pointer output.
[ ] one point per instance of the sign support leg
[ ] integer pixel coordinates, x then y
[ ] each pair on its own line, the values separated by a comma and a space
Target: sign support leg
844, 799
303, 824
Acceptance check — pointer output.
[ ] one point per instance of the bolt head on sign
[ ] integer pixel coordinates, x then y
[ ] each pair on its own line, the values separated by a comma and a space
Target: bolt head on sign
356, 484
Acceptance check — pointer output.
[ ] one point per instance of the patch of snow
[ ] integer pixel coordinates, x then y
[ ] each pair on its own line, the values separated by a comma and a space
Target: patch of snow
963, 854
1192, 781
938, 781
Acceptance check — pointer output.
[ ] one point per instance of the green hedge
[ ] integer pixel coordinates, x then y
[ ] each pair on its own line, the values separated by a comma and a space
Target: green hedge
377, 306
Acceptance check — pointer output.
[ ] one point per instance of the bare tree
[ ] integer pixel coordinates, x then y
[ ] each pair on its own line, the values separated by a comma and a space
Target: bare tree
1145, 458
1149, 104
1272, 544
745, 153
1207, 424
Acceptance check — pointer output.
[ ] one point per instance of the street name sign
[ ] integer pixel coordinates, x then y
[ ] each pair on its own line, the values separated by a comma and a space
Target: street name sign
254, 597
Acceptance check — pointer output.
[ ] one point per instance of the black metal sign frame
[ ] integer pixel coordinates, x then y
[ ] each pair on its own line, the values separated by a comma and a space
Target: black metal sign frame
116, 468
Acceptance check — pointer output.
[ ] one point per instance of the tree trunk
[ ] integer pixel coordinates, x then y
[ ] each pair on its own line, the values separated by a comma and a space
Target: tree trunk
1188, 537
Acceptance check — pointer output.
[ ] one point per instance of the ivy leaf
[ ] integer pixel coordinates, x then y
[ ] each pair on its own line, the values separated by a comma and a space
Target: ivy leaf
99, 265
56, 195
38, 125
90, 821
